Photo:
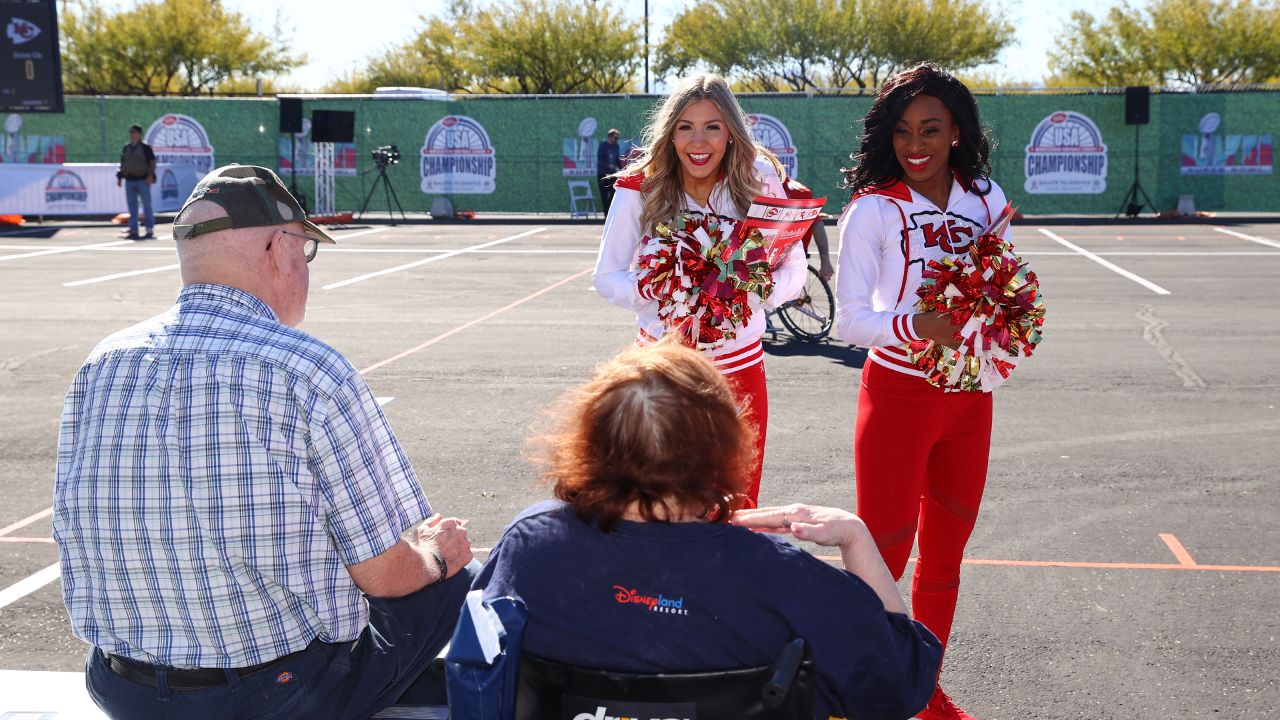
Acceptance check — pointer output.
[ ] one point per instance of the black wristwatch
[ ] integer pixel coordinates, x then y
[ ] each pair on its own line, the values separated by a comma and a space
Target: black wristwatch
444, 567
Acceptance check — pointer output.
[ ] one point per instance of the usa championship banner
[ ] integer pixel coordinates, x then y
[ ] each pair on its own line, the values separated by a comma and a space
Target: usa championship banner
85, 189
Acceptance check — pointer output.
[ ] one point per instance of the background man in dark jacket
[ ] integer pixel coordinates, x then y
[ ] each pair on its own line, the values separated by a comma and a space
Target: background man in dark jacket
138, 173
607, 163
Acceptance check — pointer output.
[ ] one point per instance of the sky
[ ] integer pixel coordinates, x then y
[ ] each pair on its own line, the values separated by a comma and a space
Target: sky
337, 39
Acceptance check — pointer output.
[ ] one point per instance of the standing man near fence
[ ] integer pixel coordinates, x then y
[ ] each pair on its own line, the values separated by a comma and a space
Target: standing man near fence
607, 163
138, 173
239, 532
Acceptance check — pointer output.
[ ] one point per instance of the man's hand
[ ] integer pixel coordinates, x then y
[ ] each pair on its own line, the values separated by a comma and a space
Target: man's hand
151, 179
448, 538
416, 560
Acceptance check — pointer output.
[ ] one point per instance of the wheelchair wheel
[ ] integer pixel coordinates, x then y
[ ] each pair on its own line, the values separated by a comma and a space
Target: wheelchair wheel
810, 316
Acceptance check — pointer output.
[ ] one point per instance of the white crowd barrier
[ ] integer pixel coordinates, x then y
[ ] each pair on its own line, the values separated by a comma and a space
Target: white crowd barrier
85, 189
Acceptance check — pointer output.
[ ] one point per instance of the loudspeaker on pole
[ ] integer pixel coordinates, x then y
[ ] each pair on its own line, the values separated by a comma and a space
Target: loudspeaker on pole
333, 126
290, 115
1137, 105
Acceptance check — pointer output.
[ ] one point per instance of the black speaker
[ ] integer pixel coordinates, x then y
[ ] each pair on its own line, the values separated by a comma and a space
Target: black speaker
333, 126
290, 115
1137, 105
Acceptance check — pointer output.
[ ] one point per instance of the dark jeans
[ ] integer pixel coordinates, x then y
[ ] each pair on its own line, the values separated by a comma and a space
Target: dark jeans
342, 680
134, 189
606, 192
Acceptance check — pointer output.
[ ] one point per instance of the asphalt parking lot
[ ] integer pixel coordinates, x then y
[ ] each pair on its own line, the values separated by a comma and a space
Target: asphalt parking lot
1127, 547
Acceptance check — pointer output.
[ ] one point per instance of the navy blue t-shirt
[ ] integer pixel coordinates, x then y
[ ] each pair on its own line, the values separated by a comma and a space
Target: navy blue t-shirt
690, 597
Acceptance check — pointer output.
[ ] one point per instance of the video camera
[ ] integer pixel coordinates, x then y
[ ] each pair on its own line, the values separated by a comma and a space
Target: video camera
386, 155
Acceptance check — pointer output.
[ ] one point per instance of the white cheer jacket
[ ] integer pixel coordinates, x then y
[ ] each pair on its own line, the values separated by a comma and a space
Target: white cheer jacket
615, 273
887, 235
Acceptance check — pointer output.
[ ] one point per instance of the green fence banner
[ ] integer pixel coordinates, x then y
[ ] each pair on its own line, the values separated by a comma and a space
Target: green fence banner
1054, 154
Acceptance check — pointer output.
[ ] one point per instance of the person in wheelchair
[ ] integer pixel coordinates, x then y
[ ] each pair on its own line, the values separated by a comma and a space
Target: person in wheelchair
640, 566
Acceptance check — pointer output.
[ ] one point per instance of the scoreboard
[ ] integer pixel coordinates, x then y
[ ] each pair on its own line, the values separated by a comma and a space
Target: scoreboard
30, 66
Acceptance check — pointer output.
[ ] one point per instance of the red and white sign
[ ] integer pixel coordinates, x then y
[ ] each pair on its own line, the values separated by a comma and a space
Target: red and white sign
782, 221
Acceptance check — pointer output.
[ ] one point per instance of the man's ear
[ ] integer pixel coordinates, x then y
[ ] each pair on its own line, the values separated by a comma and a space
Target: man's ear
278, 254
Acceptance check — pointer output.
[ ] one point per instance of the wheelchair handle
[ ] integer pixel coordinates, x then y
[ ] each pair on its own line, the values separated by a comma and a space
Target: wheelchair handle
784, 673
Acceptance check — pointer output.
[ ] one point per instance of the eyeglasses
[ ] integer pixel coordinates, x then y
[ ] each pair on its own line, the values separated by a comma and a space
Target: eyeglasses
310, 248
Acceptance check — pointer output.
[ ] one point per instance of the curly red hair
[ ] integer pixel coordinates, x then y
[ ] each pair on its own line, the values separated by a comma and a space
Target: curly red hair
657, 426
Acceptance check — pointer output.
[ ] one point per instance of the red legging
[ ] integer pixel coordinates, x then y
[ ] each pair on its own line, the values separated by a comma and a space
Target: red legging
920, 461
749, 388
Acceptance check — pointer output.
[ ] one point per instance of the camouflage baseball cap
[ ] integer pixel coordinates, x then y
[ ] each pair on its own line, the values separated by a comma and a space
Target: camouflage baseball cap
253, 196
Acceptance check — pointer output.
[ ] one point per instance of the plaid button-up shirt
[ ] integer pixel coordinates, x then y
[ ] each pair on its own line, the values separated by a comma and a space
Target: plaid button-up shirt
217, 471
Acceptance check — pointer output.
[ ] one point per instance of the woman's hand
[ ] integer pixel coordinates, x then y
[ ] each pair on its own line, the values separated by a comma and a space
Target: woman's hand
936, 327
831, 527
827, 526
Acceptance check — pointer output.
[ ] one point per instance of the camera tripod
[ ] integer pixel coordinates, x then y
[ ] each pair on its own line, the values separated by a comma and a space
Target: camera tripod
390, 192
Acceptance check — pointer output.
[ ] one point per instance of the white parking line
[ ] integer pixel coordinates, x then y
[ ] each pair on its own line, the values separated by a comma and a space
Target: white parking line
131, 273
55, 251
1106, 263
163, 268
136, 247
473, 323
1251, 238
592, 251
442, 256
358, 233
550, 251
1191, 253
368, 251
28, 585
1162, 253
419, 251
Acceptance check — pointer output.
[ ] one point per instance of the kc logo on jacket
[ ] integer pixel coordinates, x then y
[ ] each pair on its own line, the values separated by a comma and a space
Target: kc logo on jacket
933, 234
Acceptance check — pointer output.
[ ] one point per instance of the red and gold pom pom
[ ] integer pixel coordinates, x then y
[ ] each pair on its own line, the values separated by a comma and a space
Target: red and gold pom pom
702, 277
994, 300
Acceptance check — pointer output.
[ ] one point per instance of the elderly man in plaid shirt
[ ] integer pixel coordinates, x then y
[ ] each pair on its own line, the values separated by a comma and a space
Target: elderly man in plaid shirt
240, 533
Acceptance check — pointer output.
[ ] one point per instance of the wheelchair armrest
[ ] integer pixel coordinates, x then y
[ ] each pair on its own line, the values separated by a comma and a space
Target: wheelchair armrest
783, 673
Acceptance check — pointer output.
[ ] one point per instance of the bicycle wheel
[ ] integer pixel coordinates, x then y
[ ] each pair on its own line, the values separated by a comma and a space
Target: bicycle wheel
810, 316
